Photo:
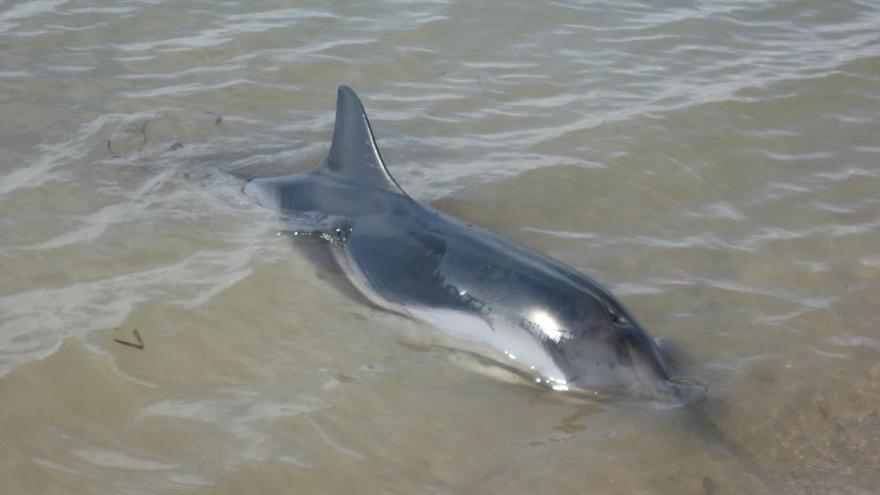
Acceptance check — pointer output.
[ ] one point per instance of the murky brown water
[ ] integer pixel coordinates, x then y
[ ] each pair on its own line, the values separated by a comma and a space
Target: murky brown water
716, 163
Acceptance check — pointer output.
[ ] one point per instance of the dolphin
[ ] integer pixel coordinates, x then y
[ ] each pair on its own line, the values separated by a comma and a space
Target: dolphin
491, 296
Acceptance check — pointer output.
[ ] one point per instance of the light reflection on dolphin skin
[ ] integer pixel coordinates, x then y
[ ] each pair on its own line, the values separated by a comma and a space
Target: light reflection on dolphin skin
491, 296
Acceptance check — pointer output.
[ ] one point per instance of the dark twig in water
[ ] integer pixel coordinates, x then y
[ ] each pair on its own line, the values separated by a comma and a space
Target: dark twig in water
218, 118
142, 129
137, 345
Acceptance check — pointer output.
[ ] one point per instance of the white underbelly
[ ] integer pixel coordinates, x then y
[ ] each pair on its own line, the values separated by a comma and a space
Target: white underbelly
494, 338
498, 340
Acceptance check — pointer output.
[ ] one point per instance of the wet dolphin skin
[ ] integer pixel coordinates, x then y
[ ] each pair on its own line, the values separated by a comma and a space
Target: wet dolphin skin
490, 295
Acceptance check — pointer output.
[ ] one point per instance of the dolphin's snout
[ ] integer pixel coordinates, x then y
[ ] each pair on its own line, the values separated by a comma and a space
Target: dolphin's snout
654, 373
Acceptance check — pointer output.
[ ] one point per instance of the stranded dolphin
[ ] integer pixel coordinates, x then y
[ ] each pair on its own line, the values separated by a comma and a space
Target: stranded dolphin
494, 297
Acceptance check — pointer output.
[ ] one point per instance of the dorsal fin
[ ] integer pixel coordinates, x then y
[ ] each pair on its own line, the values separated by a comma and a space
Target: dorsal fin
353, 151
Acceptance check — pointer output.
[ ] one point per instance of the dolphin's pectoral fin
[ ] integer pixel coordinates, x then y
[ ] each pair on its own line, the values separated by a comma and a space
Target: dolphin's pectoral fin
353, 151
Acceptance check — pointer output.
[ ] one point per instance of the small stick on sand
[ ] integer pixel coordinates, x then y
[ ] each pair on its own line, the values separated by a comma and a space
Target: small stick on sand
137, 345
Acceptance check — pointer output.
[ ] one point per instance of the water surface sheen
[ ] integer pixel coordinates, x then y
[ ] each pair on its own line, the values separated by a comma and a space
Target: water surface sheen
716, 163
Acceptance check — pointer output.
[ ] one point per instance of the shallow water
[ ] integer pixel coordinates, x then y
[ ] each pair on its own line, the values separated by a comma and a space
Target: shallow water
716, 163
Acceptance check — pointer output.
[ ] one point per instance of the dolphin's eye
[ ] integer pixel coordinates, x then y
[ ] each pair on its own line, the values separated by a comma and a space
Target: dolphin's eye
616, 318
